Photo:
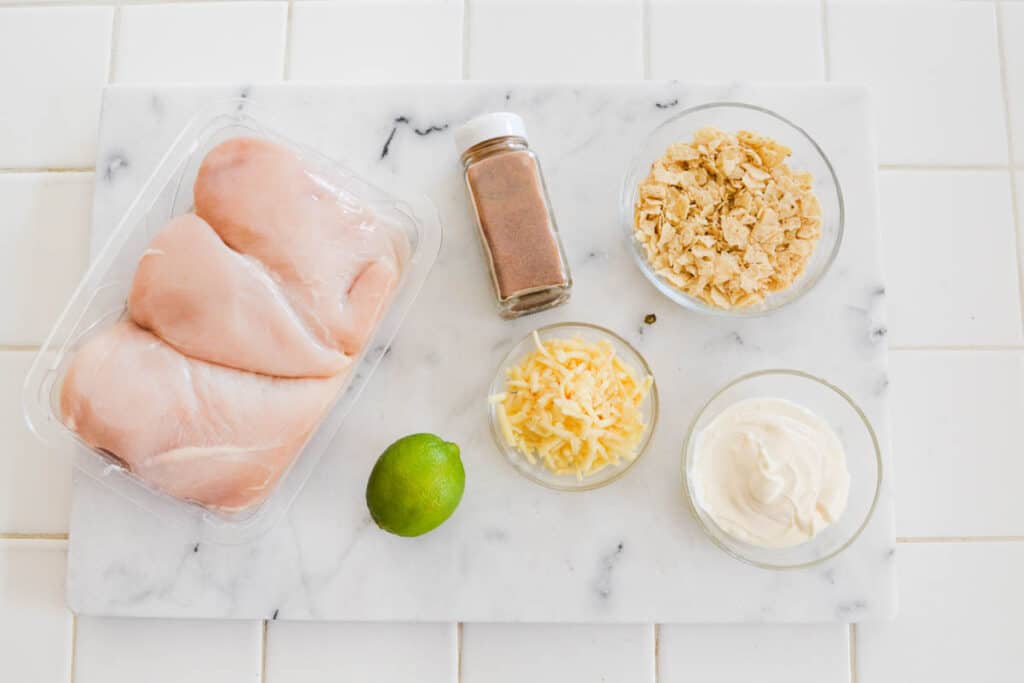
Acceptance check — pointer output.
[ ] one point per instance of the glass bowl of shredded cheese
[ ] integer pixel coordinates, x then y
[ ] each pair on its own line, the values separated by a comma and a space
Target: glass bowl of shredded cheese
573, 406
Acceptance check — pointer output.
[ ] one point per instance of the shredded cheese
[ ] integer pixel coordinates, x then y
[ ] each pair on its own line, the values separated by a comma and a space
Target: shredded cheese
573, 406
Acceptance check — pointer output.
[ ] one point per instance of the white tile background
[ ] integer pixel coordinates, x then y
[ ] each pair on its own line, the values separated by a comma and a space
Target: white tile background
200, 43
948, 81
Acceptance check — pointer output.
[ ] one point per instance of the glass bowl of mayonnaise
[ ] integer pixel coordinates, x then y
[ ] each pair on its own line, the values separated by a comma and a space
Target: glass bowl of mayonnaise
782, 469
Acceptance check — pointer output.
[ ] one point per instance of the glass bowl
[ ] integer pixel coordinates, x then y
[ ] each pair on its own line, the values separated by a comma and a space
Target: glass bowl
863, 459
806, 156
538, 473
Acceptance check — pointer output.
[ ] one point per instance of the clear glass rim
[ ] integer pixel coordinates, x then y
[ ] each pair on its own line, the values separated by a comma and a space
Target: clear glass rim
704, 523
506, 450
682, 298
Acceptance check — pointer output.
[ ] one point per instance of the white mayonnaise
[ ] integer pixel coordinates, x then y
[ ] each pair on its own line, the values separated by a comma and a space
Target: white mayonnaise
770, 472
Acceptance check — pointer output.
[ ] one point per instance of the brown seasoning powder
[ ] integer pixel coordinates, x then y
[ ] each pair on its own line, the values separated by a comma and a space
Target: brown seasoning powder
508, 196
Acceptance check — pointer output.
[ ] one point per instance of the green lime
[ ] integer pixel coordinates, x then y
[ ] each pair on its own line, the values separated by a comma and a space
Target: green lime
416, 485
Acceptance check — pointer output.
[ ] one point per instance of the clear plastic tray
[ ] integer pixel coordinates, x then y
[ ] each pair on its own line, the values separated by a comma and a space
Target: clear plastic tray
100, 300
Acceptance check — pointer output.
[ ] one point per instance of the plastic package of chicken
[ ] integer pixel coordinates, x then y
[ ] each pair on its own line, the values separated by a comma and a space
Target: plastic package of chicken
216, 343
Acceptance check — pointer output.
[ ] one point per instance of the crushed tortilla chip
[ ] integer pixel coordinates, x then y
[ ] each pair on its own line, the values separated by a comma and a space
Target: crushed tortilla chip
725, 220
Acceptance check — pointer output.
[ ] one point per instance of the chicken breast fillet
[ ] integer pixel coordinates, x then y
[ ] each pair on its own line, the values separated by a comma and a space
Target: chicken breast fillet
244, 319
214, 304
198, 431
335, 262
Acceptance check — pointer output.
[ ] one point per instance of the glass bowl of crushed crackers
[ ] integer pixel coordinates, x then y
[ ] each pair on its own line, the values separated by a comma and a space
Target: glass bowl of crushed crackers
572, 406
731, 209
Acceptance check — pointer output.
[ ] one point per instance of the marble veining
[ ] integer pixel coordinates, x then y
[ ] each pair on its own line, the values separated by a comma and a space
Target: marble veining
603, 586
513, 551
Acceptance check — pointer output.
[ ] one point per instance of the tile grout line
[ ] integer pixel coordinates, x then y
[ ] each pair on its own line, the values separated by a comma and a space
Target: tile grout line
959, 539
263, 654
74, 646
825, 56
954, 347
853, 653
1004, 76
286, 70
115, 33
458, 652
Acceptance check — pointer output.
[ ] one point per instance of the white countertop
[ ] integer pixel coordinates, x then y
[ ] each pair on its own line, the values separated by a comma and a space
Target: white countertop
948, 81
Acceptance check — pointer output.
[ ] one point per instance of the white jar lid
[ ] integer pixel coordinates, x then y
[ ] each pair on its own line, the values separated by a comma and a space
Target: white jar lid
487, 127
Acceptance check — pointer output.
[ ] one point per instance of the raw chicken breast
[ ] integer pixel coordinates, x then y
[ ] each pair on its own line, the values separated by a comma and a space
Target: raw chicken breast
214, 304
198, 431
244, 318
335, 263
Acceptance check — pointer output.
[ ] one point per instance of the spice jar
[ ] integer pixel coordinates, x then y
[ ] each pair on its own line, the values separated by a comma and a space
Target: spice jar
513, 214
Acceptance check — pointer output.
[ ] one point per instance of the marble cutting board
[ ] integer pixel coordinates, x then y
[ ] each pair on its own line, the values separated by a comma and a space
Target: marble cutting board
513, 551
